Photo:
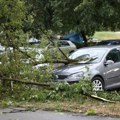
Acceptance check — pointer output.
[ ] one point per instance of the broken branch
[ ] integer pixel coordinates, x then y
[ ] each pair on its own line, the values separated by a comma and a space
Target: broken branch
26, 82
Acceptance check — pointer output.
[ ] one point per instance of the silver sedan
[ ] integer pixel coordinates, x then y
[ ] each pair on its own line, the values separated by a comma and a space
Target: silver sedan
100, 63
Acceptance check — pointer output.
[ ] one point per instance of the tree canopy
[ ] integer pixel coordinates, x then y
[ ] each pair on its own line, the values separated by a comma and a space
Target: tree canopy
12, 16
60, 16
86, 15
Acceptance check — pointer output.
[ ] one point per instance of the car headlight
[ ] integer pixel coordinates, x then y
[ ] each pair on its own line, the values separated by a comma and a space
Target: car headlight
77, 75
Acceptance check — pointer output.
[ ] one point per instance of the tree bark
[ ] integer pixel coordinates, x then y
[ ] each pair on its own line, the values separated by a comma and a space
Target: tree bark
26, 82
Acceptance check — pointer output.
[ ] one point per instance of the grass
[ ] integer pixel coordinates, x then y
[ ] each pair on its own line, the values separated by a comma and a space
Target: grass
90, 107
106, 35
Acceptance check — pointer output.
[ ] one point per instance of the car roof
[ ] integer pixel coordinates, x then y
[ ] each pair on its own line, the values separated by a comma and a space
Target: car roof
102, 47
108, 42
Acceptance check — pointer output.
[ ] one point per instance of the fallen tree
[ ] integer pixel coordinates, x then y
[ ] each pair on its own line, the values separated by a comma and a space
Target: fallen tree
52, 87
25, 82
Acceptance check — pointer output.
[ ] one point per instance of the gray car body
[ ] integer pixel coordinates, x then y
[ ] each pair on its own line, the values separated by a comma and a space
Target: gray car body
110, 74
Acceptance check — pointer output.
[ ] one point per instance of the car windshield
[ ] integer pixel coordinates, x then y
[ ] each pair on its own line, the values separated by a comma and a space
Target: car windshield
92, 55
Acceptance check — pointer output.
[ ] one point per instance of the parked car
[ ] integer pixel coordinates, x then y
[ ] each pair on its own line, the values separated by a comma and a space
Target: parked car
52, 48
66, 46
100, 63
75, 37
33, 41
34, 47
109, 42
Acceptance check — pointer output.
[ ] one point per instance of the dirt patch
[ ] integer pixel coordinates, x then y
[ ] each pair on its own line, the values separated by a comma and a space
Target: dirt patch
99, 108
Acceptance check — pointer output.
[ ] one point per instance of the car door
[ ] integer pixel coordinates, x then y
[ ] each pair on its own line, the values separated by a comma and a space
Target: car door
65, 47
55, 51
112, 71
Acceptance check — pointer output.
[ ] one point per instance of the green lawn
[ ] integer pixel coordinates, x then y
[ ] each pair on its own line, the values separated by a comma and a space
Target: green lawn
106, 35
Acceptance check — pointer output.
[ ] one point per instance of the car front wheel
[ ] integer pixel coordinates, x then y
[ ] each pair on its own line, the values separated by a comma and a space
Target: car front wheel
98, 84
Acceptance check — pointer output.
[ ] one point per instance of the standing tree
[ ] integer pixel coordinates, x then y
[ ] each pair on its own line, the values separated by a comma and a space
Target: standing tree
86, 15
12, 16
42, 13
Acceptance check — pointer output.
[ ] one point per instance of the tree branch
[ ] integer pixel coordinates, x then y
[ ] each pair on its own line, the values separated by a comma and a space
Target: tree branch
56, 61
26, 82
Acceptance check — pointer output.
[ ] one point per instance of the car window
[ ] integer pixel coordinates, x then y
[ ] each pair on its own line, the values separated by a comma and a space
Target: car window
63, 43
115, 43
94, 55
59, 44
114, 55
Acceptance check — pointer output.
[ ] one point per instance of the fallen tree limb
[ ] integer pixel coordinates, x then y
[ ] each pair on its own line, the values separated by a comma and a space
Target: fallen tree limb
50, 87
34, 62
98, 98
26, 82
102, 99
26, 54
53, 61
56, 61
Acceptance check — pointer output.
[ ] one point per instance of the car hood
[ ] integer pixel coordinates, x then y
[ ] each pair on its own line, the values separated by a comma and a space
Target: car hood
74, 68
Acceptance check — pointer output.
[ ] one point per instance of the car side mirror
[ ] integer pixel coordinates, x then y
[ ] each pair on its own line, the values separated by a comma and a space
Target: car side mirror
108, 62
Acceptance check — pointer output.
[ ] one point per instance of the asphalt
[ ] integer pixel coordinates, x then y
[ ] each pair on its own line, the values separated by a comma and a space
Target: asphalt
22, 114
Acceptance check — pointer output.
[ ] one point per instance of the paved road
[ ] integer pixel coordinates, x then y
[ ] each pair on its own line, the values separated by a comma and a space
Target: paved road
7, 114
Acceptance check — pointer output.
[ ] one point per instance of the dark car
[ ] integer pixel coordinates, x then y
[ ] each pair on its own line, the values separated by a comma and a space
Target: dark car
109, 42
75, 37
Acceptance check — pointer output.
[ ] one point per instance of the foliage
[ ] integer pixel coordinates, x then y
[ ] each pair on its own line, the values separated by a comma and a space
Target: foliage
61, 16
66, 16
20, 19
90, 112
12, 15
86, 15
40, 13
60, 92
110, 95
71, 91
